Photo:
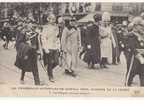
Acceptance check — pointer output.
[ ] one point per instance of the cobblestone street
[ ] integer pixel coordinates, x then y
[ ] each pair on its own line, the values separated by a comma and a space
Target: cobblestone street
113, 76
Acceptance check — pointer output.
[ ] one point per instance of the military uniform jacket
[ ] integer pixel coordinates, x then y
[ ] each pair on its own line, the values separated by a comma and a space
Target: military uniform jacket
49, 37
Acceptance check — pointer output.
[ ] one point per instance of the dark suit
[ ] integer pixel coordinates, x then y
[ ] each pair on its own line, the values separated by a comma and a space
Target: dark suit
26, 58
134, 66
92, 39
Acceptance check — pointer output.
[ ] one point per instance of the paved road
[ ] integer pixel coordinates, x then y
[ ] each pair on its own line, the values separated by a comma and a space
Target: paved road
113, 76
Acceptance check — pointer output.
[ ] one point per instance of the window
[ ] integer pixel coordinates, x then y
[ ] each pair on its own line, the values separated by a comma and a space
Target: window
117, 7
98, 7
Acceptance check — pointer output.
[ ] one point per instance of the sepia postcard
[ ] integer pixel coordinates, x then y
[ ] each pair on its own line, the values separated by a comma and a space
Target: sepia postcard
72, 49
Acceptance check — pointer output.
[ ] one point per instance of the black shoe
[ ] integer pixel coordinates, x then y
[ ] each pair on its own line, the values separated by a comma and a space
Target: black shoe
37, 84
67, 71
105, 66
90, 66
101, 66
71, 73
51, 80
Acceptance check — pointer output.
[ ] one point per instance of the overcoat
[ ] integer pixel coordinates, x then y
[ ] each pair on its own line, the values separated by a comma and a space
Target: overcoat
92, 44
107, 40
26, 58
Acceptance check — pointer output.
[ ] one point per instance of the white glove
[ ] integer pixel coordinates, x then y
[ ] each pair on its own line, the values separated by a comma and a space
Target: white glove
141, 44
89, 46
47, 51
26, 57
122, 45
140, 58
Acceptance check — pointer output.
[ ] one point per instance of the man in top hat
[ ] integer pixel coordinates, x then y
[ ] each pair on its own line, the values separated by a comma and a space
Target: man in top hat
92, 42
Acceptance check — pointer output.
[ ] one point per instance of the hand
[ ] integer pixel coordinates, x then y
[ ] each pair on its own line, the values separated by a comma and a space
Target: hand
25, 57
47, 51
80, 48
89, 46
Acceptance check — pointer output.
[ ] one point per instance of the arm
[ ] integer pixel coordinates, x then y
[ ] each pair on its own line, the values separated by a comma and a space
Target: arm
79, 39
44, 41
63, 39
112, 38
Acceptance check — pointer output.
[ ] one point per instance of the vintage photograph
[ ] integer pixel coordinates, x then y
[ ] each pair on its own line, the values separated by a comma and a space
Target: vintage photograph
72, 44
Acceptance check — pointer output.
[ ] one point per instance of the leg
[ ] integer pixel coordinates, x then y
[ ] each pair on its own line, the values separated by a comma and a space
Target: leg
114, 59
92, 62
74, 59
7, 44
130, 79
132, 70
36, 76
103, 62
22, 77
141, 76
68, 62
50, 71
69, 68
118, 57
128, 60
53, 61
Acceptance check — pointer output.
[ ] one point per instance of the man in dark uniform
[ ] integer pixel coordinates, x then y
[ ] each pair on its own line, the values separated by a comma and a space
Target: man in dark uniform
135, 53
135, 59
121, 33
50, 45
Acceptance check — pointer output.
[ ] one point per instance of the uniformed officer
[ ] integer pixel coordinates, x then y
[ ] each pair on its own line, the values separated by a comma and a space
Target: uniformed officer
50, 45
135, 60
122, 34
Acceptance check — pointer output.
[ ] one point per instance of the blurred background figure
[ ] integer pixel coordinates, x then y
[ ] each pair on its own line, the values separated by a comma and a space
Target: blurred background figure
6, 34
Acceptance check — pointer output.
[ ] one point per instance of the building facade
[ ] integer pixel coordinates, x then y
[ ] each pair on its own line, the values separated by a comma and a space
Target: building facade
77, 9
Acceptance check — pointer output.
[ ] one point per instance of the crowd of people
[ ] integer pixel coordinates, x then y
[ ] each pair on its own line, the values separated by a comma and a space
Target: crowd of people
64, 42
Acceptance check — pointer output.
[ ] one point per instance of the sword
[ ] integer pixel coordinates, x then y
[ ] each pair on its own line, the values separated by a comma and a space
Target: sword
41, 60
44, 68
128, 74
